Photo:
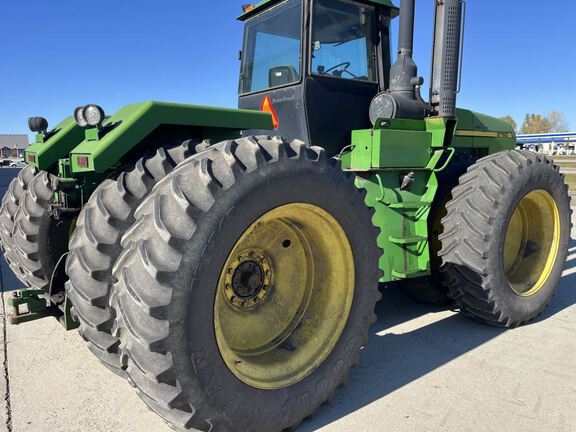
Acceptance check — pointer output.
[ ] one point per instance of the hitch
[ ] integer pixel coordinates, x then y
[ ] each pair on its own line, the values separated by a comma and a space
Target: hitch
36, 306
31, 304
41, 304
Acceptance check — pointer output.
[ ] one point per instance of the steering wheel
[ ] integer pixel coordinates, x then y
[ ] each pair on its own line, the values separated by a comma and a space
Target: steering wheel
344, 65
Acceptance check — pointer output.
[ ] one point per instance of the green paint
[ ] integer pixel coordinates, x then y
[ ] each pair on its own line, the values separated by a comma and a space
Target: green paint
401, 216
47, 149
439, 128
103, 149
264, 4
92, 134
392, 143
481, 123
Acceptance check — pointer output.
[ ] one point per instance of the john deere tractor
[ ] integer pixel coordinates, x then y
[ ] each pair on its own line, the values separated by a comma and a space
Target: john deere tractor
227, 262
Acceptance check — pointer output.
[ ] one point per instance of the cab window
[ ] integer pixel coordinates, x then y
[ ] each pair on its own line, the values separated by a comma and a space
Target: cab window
272, 48
343, 40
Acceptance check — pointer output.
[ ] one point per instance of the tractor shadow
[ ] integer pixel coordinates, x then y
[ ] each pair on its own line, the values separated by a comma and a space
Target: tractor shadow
397, 357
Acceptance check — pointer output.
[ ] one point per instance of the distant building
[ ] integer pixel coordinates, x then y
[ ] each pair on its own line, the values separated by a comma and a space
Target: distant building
13, 146
551, 144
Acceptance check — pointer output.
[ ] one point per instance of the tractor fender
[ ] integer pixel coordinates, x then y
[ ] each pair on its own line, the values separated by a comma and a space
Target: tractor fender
103, 148
56, 144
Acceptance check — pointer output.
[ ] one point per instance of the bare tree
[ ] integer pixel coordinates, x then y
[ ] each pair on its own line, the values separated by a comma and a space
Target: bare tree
554, 122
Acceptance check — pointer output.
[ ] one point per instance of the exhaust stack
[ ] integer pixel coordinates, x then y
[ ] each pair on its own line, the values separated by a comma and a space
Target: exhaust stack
403, 99
405, 71
446, 57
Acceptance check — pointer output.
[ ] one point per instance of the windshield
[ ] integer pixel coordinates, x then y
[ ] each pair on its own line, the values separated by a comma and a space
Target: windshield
272, 48
343, 40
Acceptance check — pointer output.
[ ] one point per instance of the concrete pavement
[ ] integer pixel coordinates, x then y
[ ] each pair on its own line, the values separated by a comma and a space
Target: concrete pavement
426, 369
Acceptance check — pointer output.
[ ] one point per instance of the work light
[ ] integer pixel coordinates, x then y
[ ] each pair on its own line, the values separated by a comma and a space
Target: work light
38, 124
93, 115
79, 117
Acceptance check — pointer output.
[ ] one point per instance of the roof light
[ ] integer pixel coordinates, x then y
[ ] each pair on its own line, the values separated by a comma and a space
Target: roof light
247, 7
38, 124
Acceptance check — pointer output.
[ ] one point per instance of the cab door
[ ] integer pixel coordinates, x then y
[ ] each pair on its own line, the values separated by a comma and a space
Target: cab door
343, 73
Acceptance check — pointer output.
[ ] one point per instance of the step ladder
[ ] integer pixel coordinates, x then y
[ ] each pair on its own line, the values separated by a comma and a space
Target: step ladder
413, 240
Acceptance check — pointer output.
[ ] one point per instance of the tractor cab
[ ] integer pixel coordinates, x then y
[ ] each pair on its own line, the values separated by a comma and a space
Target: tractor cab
316, 65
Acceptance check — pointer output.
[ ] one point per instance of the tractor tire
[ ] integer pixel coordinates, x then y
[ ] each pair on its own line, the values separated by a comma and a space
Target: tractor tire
10, 204
39, 239
247, 287
430, 289
95, 244
506, 238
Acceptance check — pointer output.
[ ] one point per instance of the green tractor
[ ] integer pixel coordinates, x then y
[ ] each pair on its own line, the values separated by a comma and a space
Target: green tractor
227, 262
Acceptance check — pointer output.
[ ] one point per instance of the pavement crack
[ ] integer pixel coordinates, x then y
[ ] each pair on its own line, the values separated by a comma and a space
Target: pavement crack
5, 365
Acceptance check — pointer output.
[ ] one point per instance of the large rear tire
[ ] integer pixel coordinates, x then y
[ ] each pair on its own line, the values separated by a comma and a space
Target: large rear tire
506, 238
10, 204
95, 244
247, 287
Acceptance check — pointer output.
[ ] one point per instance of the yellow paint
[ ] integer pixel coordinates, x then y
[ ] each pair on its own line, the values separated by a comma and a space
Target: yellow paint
72, 227
480, 134
278, 338
532, 243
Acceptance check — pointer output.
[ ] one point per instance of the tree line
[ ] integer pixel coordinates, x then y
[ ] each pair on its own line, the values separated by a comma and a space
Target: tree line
553, 122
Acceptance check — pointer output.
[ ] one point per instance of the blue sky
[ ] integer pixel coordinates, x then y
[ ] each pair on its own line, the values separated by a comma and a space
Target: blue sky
520, 55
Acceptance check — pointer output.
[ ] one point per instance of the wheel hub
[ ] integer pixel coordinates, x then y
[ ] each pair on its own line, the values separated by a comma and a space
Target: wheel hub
532, 243
248, 280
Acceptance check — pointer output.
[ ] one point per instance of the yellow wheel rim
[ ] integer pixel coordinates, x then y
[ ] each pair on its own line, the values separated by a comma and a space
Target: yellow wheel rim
72, 227
284, 296
532, 243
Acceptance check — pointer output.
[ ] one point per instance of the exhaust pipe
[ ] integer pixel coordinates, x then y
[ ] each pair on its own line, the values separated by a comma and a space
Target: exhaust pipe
446, 53
404, 71
403, 99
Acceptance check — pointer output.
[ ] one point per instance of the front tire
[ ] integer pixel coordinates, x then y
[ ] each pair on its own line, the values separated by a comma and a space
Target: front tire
205, 315
506, 238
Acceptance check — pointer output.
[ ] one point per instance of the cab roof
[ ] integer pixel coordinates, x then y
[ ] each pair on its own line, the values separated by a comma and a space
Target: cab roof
258, 7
